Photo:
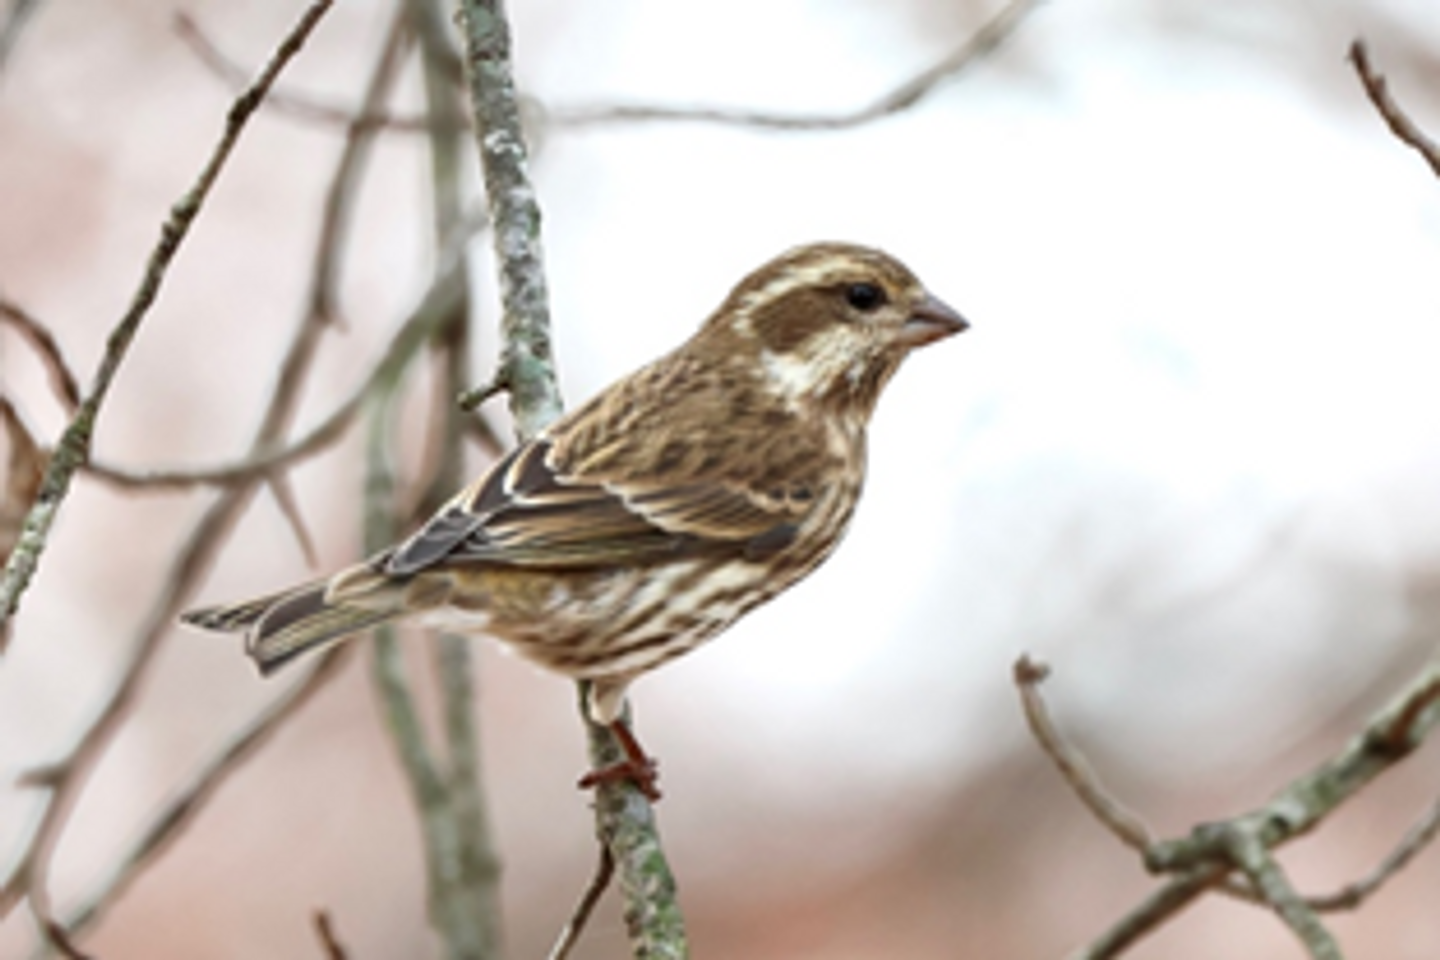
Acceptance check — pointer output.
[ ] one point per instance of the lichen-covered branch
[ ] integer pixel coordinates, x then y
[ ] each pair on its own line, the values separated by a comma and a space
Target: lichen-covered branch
527, 366
625, 822
74, 447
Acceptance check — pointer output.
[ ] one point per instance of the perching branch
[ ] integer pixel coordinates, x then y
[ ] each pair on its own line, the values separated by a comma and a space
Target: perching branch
527, 364
74, 447
625, 823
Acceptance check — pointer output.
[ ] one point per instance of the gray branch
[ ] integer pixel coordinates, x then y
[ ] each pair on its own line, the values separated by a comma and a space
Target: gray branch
462, 868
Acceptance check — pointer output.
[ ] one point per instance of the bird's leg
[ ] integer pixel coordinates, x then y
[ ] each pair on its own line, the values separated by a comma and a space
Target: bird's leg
637, 767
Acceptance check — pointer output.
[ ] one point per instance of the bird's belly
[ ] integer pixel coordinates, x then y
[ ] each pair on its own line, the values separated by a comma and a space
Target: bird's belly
622, 621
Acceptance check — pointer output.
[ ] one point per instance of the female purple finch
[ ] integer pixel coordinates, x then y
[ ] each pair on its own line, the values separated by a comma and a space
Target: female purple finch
645, 522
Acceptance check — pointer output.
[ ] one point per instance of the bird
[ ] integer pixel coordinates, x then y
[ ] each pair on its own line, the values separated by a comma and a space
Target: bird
649, 519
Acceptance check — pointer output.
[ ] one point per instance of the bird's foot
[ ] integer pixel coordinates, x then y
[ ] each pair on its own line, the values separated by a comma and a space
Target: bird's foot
645, 777
637, 767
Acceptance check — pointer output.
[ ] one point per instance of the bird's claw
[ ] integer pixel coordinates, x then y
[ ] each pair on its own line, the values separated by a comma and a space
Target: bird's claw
644, 774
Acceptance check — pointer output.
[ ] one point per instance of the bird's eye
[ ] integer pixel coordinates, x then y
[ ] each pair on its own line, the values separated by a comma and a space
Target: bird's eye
864, 296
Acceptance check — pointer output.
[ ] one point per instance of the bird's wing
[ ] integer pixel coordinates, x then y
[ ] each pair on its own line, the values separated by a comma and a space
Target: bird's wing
527, 511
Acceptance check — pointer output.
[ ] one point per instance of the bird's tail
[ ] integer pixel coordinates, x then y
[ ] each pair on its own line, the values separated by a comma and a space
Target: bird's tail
281, 626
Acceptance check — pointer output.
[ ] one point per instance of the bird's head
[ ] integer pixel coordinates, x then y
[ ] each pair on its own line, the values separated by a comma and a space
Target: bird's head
829, 324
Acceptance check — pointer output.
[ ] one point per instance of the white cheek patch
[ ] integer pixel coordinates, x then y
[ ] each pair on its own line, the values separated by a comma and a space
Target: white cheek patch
820, 362
795, 376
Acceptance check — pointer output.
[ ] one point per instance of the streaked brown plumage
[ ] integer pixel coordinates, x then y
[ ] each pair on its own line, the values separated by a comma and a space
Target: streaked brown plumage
651, 518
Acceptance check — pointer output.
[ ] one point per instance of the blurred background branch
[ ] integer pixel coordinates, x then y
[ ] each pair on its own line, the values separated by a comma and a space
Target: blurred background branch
74, 447
462, 865
62, 781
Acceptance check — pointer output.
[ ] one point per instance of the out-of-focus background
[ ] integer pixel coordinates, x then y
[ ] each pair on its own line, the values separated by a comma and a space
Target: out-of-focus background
1187, 454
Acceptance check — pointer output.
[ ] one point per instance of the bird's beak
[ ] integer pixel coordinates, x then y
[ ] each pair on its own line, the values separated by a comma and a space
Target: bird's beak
931, 320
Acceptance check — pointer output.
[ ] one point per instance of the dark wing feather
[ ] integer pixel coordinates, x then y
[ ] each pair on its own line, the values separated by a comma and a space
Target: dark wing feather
526, 512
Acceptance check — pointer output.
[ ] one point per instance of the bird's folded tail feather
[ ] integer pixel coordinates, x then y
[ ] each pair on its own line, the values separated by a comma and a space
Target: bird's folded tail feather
282, 626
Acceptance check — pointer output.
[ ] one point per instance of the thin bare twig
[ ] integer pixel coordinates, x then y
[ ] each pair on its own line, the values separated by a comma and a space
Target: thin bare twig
1151, 913
19, 482
74, 447
303, 108
329, 941
1124, 824
983, 41
256, 467
62, 379
436, 306
1400, 124
594, 890
24, 470
181, 809
58, 938
1417, 838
